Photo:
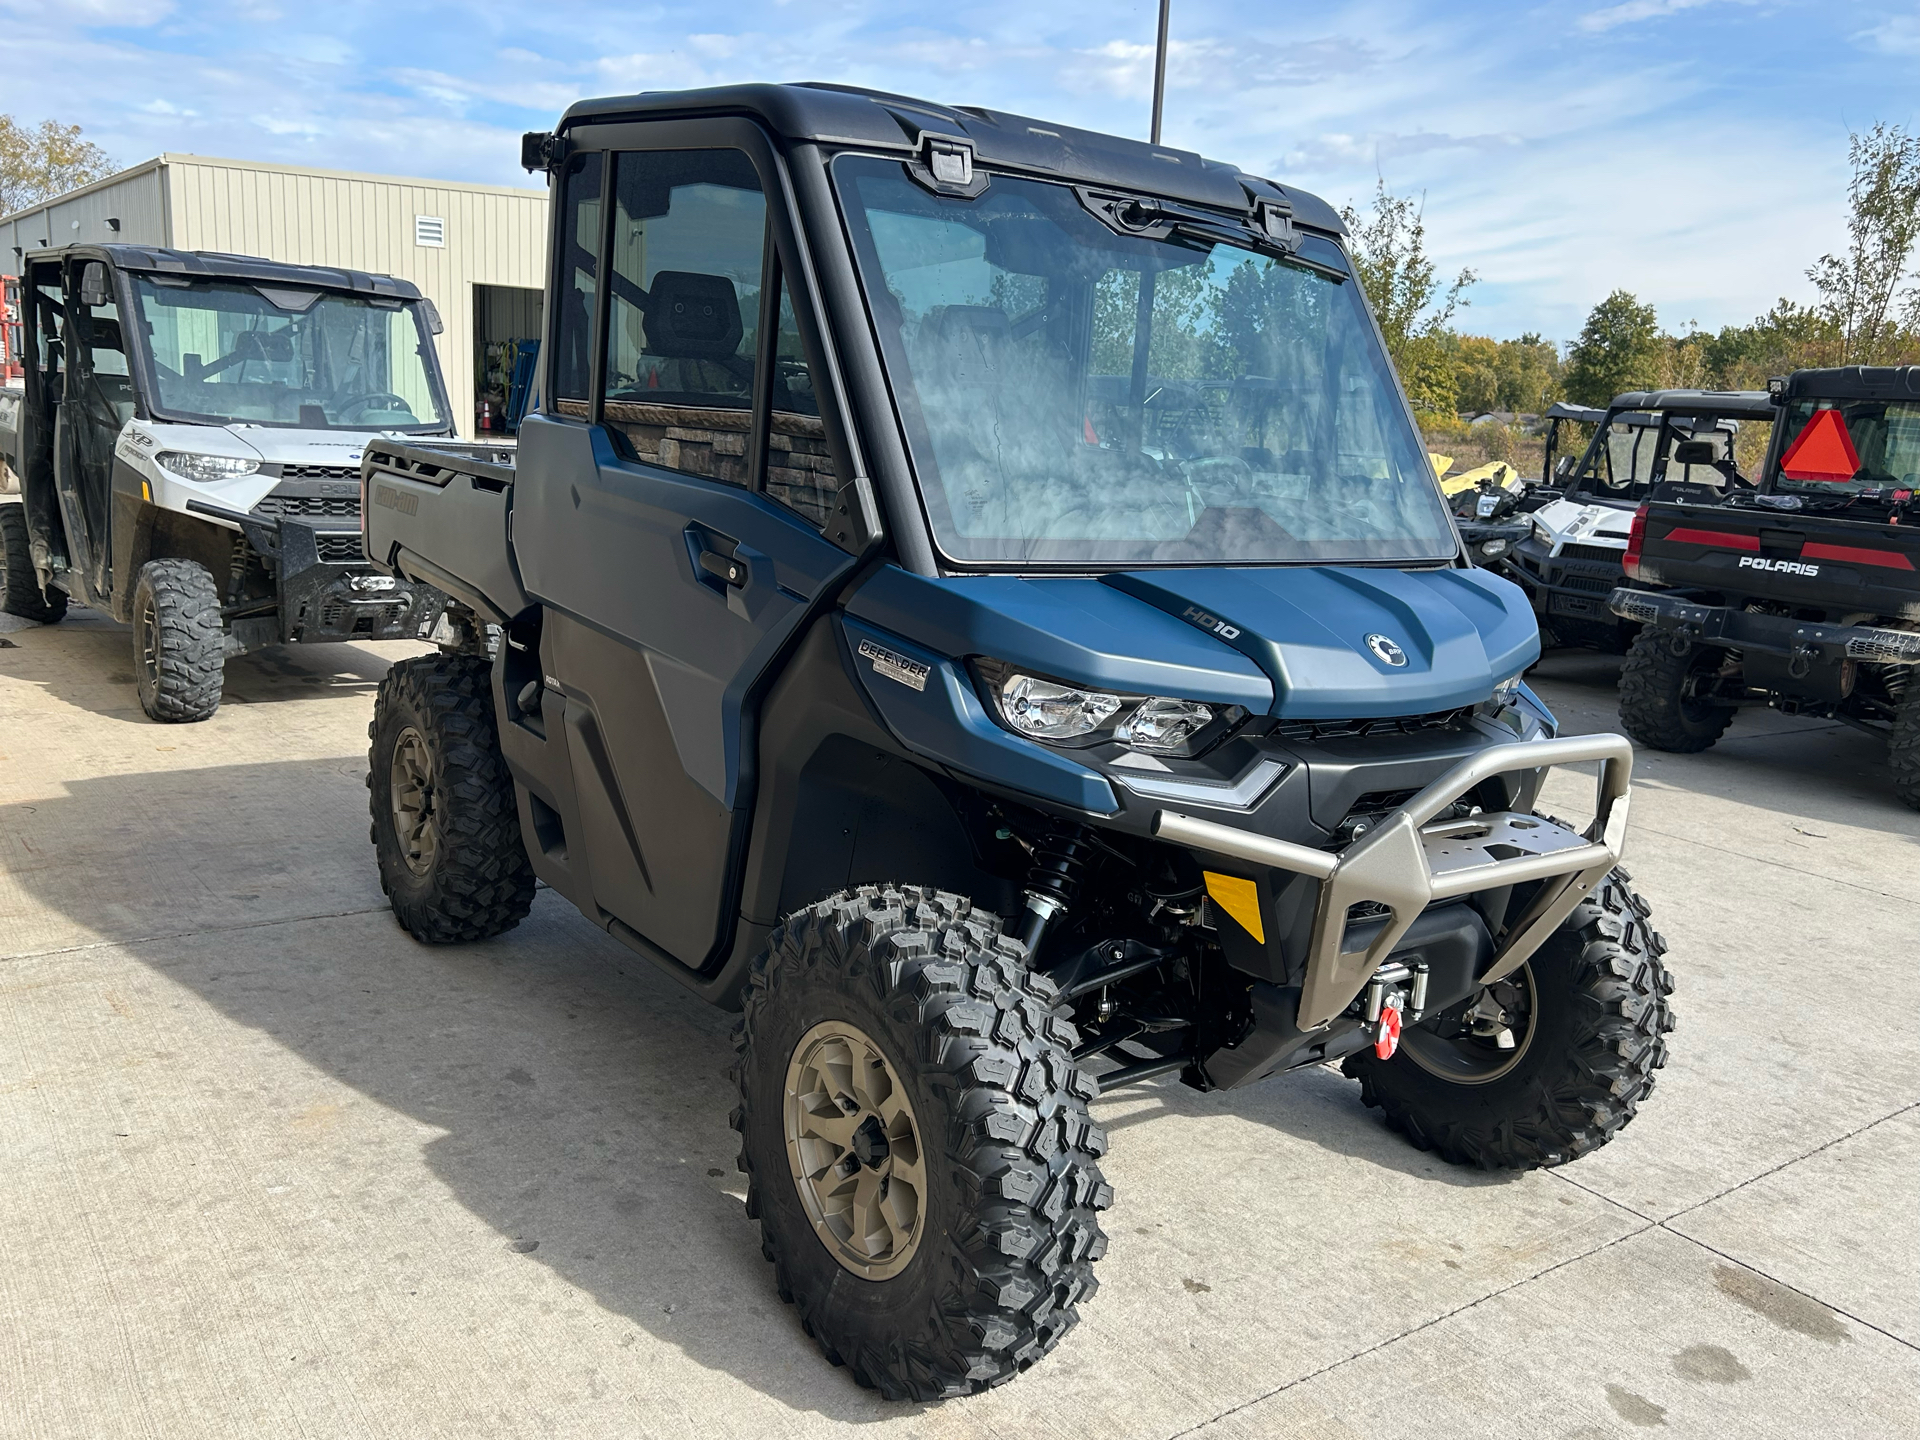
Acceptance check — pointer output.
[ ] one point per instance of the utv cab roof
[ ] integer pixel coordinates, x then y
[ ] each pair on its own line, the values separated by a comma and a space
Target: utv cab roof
1853, 382
1745, 404
844, 115
249, 269
1585, 414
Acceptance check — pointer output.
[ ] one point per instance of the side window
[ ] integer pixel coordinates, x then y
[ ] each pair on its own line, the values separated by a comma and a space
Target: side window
800, 472
689, 241
579, 272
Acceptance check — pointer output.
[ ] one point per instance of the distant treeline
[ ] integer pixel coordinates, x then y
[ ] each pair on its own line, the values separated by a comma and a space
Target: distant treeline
1867, 312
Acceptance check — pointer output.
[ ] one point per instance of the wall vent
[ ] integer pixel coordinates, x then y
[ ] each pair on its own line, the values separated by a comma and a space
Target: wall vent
431, 231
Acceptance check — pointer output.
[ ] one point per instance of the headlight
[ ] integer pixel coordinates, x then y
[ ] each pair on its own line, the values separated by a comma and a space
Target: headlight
1493, 549
204, 468
1063, 714
1047, 711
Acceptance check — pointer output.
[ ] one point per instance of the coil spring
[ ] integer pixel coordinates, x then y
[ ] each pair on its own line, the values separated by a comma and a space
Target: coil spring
1060, 859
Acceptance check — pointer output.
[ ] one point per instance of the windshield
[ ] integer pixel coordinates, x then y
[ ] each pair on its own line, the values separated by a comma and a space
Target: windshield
225, 352
1637, 449
1875, 444
1073, 396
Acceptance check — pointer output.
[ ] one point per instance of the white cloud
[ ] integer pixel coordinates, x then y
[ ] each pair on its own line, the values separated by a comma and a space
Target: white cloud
1897, 36
1632, 11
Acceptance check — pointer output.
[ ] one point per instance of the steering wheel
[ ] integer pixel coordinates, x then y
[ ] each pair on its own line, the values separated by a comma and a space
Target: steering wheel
366, 402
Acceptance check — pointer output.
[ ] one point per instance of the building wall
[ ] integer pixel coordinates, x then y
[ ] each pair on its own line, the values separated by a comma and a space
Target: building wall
493, 235
136, 198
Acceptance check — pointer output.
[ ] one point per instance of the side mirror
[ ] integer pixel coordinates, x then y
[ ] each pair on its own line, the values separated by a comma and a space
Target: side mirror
435, 325
95, 288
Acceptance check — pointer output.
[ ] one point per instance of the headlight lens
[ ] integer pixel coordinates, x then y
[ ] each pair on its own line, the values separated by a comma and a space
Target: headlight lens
1493, 549
204, 468
1063, 714
1164, 726
1048, 711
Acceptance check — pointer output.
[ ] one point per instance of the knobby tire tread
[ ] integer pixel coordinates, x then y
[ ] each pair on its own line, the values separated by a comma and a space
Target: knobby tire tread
1903, 745
189, 637
1651, 705
481, 883
1020, 1151
20, 592
1605, 963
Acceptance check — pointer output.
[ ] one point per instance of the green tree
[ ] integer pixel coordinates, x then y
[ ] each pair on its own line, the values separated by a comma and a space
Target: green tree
1390, 255
37, 164
1477, 373
1859, 290
1619, 349
1527, 375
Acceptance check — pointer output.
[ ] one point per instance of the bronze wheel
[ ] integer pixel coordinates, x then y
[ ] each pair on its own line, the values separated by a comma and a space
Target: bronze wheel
1482, 1041
410, 792
853, 1146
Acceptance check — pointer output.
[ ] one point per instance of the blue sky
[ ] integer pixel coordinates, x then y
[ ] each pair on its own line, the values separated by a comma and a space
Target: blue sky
1692, 151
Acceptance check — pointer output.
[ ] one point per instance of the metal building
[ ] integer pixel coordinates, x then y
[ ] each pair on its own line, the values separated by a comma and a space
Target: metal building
477, 251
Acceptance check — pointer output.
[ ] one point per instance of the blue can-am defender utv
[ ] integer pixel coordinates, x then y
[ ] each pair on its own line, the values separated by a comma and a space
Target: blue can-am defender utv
971, 594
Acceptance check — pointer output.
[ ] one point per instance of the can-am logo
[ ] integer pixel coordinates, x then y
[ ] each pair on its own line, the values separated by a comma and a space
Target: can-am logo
1785, 567
1388, 652
1195, 615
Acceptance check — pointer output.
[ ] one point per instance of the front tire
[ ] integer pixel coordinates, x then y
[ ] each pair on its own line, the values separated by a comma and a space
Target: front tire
179, 642
446, 827
945, 1036
1657, 706
20, 592
1586, 1016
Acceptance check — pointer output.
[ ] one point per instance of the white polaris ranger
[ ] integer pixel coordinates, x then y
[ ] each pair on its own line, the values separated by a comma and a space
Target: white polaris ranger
1676, 442
188, 445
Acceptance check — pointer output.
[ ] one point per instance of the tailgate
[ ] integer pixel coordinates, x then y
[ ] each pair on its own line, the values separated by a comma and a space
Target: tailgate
438, 513
1848, 565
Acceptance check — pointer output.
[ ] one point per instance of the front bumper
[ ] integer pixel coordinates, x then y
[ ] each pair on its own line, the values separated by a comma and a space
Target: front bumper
1571, 587
1408, 862
1782, 635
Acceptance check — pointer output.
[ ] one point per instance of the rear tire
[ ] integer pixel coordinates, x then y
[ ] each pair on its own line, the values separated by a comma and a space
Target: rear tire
446, 826
1596, 1000
179, 643
980, 1276
20, 592
1903, 745
1655, 708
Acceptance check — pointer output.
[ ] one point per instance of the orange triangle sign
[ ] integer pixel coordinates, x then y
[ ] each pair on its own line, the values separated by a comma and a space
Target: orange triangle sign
1822, 451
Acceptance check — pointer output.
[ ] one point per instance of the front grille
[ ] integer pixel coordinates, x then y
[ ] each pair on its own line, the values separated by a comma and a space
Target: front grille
339, 549
320, 472
366, 618
334, 507
1592, 584
1388, 725
1604, 553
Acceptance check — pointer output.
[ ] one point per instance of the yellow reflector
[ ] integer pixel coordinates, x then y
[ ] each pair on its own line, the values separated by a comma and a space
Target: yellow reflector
146, 491
1240, 899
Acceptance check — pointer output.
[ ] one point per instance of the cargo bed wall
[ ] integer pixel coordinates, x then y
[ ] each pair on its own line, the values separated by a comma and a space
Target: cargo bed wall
440, 515
1855, 566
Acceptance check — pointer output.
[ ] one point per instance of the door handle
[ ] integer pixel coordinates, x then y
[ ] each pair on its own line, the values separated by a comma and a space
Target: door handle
724, 568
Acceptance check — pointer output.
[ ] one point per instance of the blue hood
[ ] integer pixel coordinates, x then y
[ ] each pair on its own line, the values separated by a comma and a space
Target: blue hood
1292, 641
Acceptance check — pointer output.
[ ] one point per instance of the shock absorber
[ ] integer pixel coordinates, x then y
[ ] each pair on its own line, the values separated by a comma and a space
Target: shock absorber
1060, 858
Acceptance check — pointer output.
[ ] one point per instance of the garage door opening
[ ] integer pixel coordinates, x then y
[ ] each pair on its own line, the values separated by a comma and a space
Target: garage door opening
506, 341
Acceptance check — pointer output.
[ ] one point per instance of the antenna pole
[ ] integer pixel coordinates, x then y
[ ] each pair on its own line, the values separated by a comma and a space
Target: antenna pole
1160, 70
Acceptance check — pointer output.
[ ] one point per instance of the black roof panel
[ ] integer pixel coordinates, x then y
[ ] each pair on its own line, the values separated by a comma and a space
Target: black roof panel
874, 119
211, 265
1753, 404
1856, 382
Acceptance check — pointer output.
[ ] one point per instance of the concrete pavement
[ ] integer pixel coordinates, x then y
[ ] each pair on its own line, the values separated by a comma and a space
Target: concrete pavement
269, 1167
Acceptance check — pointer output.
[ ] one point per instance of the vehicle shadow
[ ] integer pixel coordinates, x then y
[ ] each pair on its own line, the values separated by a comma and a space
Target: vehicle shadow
578, 1097
1796, 766
86, 661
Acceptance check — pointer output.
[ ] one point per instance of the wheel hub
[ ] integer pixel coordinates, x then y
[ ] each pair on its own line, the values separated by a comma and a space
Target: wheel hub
853, 1146
1484, 1040
410, 793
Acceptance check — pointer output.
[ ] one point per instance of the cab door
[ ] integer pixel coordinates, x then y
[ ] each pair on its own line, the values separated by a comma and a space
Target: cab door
668, 510
98, 403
